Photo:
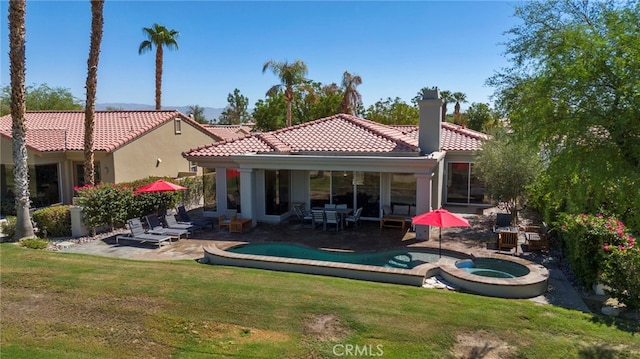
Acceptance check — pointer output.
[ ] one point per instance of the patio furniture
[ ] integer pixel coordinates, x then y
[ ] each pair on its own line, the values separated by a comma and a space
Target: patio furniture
317, 218
536, 238
329, 206
302, 214
508, 240
171, 222
156, 227
397, 216
355, 218
502, 220
224, 221
138, 234
200, 221
237, 225
331, 217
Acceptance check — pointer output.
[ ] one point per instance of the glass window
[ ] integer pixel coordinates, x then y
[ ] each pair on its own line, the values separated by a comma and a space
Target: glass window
177, 125
403, 189
79, 178
233, 189
342, 188
319, 188
209, 189
368, 193
277, 191
463, 186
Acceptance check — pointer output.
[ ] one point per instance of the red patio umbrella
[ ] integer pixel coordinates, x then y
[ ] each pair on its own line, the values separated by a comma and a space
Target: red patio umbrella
440, 218
160, 186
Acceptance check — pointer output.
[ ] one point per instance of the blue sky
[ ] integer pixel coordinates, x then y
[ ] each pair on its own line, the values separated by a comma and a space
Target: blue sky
396, 47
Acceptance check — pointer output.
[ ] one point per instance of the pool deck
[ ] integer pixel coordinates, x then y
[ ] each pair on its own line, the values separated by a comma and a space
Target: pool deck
477, 239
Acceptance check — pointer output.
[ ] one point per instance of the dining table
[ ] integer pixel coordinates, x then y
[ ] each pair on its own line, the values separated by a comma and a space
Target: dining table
342, 212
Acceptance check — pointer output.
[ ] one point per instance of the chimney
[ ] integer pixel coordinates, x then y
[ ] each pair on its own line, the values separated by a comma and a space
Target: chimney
430, 122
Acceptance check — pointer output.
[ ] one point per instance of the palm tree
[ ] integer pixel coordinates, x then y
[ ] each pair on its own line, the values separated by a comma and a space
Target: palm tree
17, 9
291, 76
458, 97
160, 37
446, 98
352, 97
97, 22
421, 94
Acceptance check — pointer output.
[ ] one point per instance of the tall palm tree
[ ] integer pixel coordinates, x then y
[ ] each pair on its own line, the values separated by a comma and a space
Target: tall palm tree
446, 98
97, 22
352, 97
17, 31
160, 37
291, 76
458, 97
420, 95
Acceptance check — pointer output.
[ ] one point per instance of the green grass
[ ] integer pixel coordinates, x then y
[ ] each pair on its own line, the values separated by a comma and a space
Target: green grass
57, 305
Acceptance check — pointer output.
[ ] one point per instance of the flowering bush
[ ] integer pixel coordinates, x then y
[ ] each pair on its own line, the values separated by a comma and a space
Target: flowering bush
601, 249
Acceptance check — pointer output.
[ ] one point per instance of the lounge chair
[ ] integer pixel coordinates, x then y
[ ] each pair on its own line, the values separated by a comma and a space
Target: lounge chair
138, 234
171, 221
156, 227
201, 221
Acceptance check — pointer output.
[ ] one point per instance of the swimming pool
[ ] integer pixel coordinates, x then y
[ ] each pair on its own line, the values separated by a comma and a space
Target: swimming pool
411, 266
401, 258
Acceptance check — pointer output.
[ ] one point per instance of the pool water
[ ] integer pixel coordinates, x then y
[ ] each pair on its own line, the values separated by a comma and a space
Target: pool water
492, 267
389, 259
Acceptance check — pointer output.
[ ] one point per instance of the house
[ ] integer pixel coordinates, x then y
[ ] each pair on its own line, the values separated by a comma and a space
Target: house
128, 145
345, 159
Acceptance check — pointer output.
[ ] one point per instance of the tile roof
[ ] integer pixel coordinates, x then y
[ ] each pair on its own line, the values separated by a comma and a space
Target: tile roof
229, 132
64, 130
453, 137
340, 134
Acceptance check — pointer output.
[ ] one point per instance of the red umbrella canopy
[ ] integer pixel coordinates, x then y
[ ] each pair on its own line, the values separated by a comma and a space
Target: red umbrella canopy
440, 218
160, 186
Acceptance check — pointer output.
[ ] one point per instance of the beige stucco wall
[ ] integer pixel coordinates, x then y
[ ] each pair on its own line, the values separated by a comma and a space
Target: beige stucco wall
139, 159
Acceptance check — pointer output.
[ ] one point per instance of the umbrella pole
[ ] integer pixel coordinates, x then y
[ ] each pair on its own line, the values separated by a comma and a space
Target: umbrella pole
440, 241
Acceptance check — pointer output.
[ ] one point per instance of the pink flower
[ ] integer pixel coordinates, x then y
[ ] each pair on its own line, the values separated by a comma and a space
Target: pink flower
606, 247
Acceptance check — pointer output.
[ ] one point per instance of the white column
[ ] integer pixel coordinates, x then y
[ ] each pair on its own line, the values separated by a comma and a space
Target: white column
423, 201
247, 195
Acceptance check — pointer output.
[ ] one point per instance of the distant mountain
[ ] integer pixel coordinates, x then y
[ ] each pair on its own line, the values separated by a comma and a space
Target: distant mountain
210, 113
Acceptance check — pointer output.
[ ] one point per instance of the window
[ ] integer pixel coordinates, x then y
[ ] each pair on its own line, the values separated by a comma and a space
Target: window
233, 189
403, 189
338, 187
276, 185
209, 189
79, 173
463, 186
319, 188
193, 167
177, 125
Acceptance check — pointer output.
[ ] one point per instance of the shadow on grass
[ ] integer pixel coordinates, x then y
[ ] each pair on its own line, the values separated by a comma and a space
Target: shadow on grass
602, 352
627, 325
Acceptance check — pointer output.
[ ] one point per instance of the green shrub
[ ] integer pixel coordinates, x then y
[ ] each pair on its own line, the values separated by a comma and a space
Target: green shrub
53, 221
621, 273
34, 243
584, 239
9, 227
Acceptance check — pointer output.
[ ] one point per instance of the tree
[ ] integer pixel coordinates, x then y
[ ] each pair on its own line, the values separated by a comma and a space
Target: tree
392, 112
197, 113
236, 111
458, 97
446, 98
160, 37
271, 113
481, 117
92, 84
423, 91
17, 31
507, 167
291, 76
351, 98
42, 98
572, 89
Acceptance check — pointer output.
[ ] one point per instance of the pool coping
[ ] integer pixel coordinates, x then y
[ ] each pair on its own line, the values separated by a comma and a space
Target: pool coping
530, 285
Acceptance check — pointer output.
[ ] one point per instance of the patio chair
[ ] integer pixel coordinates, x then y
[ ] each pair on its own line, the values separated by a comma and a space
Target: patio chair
355, 218
201, 221
138, 234
317, 218
156, 227
503, 220
329, 206
303, 215
171, 222
508, 240
332, 217
224, 221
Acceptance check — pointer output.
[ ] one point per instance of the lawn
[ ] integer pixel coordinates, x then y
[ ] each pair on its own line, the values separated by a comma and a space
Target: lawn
57, 305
